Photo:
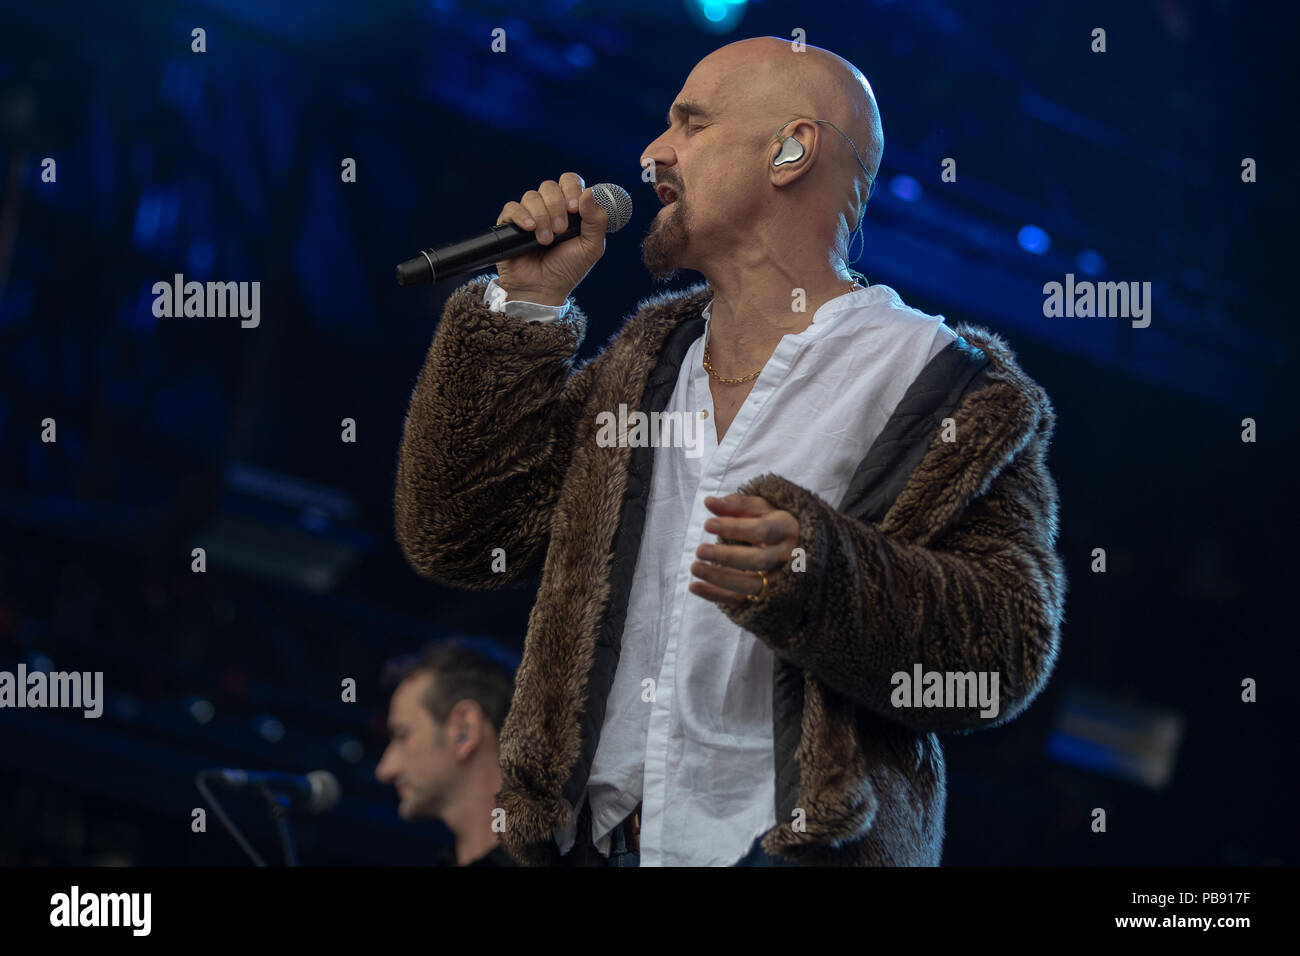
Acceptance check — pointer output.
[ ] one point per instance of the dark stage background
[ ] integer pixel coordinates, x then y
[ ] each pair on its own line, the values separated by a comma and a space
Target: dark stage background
173, 433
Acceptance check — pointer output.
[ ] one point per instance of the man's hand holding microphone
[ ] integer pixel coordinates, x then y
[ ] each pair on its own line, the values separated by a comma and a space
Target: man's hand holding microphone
543, 245
548, 275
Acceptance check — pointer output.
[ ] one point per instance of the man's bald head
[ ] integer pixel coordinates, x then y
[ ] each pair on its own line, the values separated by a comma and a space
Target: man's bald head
768, 75
716, 155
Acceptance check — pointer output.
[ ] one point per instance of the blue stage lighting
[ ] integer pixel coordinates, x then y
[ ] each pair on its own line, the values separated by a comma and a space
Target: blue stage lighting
200, 709
269, 728
905, 188
580, 55
716, 16
1090, 262
349, 748
200, 258
1032, 239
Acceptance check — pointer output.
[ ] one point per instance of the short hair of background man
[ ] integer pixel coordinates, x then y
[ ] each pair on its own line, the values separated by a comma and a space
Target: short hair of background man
461, 671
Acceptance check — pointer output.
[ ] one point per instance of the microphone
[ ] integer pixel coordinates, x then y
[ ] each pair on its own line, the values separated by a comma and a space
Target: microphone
505, 242
318, 791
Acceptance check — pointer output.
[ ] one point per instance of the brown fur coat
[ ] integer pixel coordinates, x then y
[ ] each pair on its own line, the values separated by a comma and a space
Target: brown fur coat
960, 573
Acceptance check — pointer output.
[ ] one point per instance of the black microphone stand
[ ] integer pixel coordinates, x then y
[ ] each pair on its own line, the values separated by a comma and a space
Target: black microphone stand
279, 805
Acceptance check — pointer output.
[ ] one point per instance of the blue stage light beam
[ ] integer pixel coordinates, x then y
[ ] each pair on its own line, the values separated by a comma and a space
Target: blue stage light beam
1035, 240
716, 16
905, 188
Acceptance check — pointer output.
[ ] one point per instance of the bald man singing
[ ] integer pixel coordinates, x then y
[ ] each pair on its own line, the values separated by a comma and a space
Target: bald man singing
789, 530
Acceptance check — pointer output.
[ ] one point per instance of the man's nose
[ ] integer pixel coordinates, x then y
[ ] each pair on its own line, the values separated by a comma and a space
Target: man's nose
656, 156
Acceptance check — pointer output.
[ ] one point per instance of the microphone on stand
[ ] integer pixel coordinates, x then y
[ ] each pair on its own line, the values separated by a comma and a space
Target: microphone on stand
505, 242
316, 792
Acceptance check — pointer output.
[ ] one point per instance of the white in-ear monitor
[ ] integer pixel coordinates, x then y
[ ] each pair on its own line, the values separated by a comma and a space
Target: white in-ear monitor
791, 150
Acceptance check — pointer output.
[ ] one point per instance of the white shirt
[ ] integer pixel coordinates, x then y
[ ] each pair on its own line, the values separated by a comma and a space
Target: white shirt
698, 753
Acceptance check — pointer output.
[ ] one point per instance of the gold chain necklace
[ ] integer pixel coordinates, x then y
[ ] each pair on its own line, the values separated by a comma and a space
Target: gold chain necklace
726, 381
735, 381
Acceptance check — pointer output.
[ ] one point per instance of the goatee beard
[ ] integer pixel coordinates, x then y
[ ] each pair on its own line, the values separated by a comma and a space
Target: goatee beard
664, 244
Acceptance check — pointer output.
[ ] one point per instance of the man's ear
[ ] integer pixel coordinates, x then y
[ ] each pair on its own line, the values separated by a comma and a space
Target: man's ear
464, 718
791, 152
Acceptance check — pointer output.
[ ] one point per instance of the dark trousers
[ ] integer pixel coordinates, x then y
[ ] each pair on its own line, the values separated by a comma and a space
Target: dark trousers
621, 855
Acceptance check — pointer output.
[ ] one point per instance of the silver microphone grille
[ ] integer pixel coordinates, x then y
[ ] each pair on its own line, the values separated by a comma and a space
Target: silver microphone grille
325, 791
616, 203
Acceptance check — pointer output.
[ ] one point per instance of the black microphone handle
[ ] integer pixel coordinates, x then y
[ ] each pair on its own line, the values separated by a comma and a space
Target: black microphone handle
477, 252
